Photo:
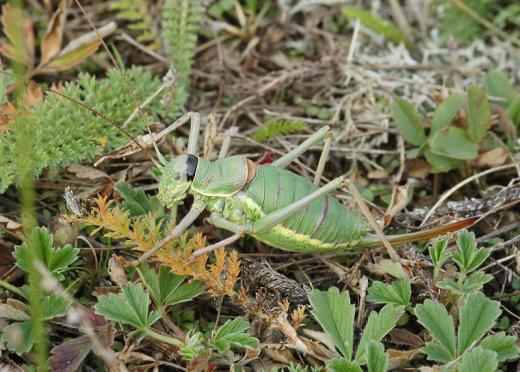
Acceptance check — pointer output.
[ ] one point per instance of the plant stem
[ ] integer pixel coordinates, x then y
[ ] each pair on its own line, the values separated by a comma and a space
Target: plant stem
12, 288
163, 338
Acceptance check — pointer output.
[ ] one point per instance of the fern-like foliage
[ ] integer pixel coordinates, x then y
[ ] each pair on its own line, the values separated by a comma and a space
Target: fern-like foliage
179, 30
277, 128
136, 13
63, 133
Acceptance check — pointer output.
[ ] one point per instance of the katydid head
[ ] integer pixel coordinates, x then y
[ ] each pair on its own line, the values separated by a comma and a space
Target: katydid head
176, 178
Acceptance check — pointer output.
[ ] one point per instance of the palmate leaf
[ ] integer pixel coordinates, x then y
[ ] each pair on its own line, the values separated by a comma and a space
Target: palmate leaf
434, 317
473, 283
233, 333
130, 307
455, 143
505, 346
468, 257
438, 253
136, 202
377, 360
335, 314
479, 360
397, 293
19, 337
477, 316
377, 327
39, 246
168, 289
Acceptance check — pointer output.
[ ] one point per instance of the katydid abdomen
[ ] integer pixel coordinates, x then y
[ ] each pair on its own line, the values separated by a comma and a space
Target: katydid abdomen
324, 225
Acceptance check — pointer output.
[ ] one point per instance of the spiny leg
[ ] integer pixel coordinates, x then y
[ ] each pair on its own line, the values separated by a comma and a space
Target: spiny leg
285, 160
323, 157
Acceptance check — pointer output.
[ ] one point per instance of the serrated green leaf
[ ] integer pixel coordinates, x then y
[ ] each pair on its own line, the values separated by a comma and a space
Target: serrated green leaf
497, 84
39, 246
468, 257
445, 112
408, 122
335, 314
130, 307
342, 365
436, 352
193, 346
434, 317
438, 253
168, 289
232, 333
136, 202
505, 346
473, 283
479, 360
455, 143
377, 327
19, 337
54, 306
377, 360
397, 293
479, 113
441, 163
477, 316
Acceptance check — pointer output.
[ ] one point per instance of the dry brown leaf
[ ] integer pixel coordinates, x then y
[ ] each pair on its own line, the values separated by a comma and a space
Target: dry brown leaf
403, 337
78, 50
7, 115
419, 168
400, 358
53, 38
492, 158
116, 271
377, 174
85, 172
397, 203
11, 226
19, 31
516, 252
32, 95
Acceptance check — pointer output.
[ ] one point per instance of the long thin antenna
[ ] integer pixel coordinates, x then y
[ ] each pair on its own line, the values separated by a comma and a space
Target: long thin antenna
92, 111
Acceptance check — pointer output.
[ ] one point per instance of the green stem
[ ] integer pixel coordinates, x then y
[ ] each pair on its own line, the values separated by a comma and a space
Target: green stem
12, 288
163, 338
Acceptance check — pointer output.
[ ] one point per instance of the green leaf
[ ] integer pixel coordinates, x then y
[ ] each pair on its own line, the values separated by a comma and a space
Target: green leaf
168, 289
436, 352
54, 306
277, 128
377, 327
19, 337
455, 143
479, 113
377, 360
232, 333
376, 24
497, 84
342, 365
136, 202
445, 112
408, 122
441, 163
193, 346
505, 346
477, 316
468, 257
434, 317
479, 360
473, 283
438, 252
397, 293
513, 110
39, 246
130, 307
335, 314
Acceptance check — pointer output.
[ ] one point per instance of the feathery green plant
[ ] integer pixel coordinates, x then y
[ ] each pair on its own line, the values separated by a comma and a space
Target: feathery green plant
277, 128
136, 13
63, 133
179, 29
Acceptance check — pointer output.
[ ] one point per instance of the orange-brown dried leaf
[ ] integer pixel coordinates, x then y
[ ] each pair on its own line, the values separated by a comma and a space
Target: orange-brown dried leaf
51, 44
7, 115
19, 31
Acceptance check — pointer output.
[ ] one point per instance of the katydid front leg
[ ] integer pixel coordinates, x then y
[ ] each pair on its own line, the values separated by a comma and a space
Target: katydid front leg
183, 225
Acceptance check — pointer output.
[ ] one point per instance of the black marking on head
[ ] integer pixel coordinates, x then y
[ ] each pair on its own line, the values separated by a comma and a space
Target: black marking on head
191, 166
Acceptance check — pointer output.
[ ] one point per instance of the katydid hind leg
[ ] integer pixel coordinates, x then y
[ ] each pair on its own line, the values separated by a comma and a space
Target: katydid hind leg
323, 157
317, 137
272, 219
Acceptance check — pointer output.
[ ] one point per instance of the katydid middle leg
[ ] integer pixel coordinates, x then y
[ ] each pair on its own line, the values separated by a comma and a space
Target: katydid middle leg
285, 160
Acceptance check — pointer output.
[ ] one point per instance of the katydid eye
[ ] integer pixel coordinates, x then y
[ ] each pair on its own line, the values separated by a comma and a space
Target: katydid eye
177, 176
